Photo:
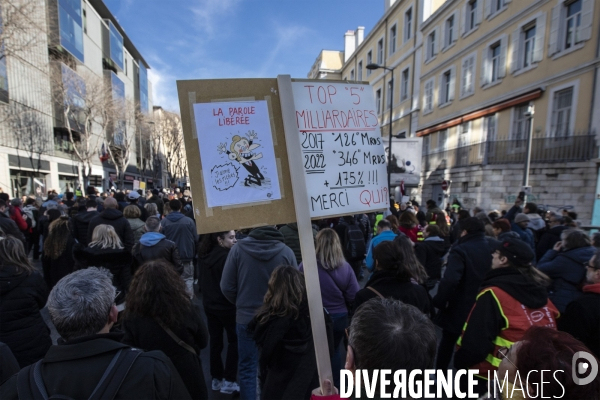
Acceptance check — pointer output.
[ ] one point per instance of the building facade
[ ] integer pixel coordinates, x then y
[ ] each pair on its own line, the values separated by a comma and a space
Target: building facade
476, 79
65, 48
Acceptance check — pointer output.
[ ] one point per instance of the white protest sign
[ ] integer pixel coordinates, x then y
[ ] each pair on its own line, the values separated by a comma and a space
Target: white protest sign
343, 156
236, 149
406, 160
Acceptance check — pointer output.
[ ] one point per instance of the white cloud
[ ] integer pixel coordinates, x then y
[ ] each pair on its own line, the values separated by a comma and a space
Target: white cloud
164, 89
208, 12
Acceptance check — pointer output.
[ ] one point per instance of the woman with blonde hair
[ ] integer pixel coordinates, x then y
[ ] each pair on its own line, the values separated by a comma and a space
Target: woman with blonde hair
338, 288
23, 293
282, 331
133, 214
106, 251
57, 259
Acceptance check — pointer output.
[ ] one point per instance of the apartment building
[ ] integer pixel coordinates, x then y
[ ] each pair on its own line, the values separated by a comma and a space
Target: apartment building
63, 43
328, 65
474, 78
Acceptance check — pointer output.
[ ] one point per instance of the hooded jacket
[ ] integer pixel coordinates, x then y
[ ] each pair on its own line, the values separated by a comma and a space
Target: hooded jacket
181, 230
114, 218
154, 246
292, 239
469, 260
567, 270
211, 271
137, 227
248, 268
80, 224
486, 320
429, 253
582, 318
117, 261
22, 328
536, 222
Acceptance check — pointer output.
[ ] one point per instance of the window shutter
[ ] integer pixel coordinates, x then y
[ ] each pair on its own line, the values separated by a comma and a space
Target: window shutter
554, 30
463, 19
515, 50
443, 35
540, 32
437, 46
463, 78
488, 8
485, 67
424, 105
587, 16
479, 13
452, 83
502, 61
456, 27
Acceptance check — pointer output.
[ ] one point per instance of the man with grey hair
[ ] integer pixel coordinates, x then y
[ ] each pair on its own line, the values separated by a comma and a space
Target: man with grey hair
89, 357
153, 245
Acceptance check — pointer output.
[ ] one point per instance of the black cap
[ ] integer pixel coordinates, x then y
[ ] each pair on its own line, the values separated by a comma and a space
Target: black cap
155, 192
516, 250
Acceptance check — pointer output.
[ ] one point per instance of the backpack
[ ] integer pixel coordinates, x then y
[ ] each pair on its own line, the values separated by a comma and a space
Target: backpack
354, 242
31, 386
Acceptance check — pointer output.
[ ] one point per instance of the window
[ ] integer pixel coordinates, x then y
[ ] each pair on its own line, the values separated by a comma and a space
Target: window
528, 43
520, 126
431, 46
352, 75
392, 40
116, 45
70, 27
571, 25
561, 114
426, 144
369, 61
378, 101
489, 134
380, 52
3, 70
494, 63
428, 96
472, 15
360, 71
125, 66
442, 139
408, 24
390, 93
404, 84
468, 76
494, 6
118, 95
445, 97
464, 131
528, 46
449, 30
143, 85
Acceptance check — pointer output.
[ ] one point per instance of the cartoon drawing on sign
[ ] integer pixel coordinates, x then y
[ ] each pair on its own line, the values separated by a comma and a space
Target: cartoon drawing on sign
241, 150
394, 167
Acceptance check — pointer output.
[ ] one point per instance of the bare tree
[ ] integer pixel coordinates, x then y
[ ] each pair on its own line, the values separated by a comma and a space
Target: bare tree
126, 120
168, 127
18, 33
86, 109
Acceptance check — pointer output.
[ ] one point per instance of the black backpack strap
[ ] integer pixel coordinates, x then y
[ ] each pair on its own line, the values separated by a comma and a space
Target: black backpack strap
115, 374
30, 384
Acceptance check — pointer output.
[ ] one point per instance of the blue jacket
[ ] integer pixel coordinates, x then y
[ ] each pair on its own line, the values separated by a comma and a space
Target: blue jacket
525, 234
382, 237
567, 270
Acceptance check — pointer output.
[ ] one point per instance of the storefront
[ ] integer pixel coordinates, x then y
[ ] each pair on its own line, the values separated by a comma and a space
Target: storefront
68, 178
28, 177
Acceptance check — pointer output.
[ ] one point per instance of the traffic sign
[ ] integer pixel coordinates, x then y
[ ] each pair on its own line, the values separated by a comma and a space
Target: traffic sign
444, 185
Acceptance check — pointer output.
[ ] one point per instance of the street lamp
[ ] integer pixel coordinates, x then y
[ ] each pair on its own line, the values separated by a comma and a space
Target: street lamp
389, 160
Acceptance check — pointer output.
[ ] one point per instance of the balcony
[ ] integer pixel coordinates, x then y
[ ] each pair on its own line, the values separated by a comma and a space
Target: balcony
543, 150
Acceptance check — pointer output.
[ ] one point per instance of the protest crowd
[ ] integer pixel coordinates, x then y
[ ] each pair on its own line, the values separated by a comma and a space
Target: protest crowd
135, 295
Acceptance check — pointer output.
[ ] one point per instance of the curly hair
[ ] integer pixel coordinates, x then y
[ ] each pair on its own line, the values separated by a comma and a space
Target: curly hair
157, 291
284, 295
58, 237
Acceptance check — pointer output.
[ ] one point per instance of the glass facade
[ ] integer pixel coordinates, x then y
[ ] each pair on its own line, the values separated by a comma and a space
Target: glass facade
116, 45
70, 25
118, 93
144, 105
3, 71
74, 91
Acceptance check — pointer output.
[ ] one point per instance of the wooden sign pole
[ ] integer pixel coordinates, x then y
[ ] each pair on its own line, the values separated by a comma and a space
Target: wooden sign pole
307, 245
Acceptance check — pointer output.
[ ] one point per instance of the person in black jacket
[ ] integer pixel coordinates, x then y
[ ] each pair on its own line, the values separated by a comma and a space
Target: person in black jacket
468, 262
8, 226
430, 252
220, 312
133, 198
556, 225
159, 314
58, 252
106, 251
156, 200
81, 222
392, 279
113, 217
23, 293
82, 309
153, 246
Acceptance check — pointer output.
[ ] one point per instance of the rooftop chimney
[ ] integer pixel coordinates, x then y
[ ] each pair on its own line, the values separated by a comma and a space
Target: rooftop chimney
349, 44
387, 4
360, 35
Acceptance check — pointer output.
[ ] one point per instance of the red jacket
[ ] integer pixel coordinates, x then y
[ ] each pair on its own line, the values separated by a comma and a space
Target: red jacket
17, 216
411, 233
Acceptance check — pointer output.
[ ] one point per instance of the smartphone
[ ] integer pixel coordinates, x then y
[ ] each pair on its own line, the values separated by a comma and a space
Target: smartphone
521, 196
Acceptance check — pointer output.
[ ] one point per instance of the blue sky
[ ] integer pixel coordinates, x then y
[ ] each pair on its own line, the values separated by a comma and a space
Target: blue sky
205, 39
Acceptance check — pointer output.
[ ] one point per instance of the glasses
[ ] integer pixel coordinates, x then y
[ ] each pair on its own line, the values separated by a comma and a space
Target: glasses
503, 354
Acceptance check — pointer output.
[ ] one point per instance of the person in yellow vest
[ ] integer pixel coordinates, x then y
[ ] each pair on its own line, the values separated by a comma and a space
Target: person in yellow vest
512, 298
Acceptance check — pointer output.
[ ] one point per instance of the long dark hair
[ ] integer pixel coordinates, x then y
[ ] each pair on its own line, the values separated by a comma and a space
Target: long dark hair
157, 291
209, 242
410, 261
58, 237
284, 295
12, 253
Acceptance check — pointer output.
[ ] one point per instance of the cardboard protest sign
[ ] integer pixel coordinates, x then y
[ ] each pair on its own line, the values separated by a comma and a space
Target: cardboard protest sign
342, 152
236, 146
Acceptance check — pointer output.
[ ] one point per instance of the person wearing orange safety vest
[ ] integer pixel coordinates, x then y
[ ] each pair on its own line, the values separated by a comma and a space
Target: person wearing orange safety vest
512, 298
